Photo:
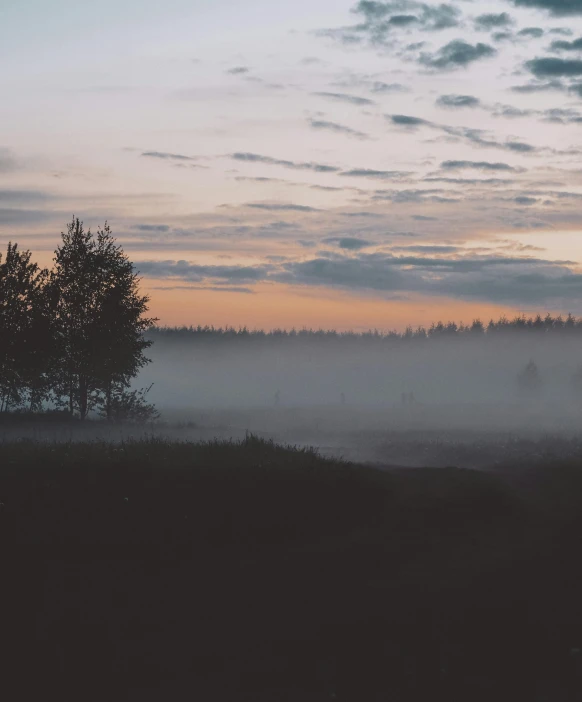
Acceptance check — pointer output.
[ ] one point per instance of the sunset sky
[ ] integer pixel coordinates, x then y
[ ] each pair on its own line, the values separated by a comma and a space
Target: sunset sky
322, 163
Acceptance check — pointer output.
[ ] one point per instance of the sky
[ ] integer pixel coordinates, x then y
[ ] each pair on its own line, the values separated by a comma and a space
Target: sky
321, 163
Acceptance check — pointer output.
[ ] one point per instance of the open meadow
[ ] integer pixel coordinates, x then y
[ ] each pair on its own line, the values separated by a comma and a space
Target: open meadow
150, 569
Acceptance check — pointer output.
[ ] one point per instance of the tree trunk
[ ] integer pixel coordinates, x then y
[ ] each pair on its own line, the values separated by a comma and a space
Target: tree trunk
71, 403
108, 394
83, 397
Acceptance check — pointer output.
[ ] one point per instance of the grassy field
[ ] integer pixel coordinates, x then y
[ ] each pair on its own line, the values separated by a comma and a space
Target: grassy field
156, 570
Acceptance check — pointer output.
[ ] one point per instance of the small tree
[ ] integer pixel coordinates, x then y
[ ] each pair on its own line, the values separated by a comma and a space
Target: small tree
529, 380
23, 328
99, 318
125, 405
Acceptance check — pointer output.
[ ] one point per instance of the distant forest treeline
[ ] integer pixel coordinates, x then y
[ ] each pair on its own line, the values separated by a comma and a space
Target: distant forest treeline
519, 325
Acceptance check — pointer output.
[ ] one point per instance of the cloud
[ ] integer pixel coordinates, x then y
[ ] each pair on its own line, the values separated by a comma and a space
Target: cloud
562, 31
550, 67
436, 249
424, 218
358, 81
382, 21
14, 216
348, 242
490, 21
457, 101
371, 173
167, 156
238, 70
456, 54
407, 196
506, 280
380, 17
184, 270
402, 20
264, 83
343, 97
533, 32
511, 112
337, 128
470, 181
159, 228
294, 165
562, 45
382, 88
477, 137
281, 207
19, 197
360, 214
538, 87
558, 8
479, 165
557, 115
214, 288
261, 179
525, 200
408, 121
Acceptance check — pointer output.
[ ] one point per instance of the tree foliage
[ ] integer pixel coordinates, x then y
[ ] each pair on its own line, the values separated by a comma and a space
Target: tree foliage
75, 333
23, 324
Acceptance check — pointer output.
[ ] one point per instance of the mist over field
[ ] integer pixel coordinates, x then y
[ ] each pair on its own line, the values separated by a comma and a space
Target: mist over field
371, 374
382, 398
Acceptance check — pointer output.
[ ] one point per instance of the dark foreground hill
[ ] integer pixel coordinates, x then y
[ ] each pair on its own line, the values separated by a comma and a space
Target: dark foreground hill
225, 571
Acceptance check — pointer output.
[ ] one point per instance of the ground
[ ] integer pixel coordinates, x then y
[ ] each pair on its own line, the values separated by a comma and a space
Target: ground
152, 570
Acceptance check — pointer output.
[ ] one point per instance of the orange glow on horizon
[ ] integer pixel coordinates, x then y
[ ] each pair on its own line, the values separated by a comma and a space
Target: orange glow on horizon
279, 306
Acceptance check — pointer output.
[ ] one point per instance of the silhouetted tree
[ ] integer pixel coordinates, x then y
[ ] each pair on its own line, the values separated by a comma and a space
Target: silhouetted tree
21, 323
529, 380
98, 319
129, 406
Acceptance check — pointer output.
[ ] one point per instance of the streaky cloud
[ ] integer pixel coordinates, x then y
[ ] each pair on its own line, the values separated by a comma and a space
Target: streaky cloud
371, 173
478, 165
281, 207
167, 156
344, 97
294, 165
458, 101
337, 128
